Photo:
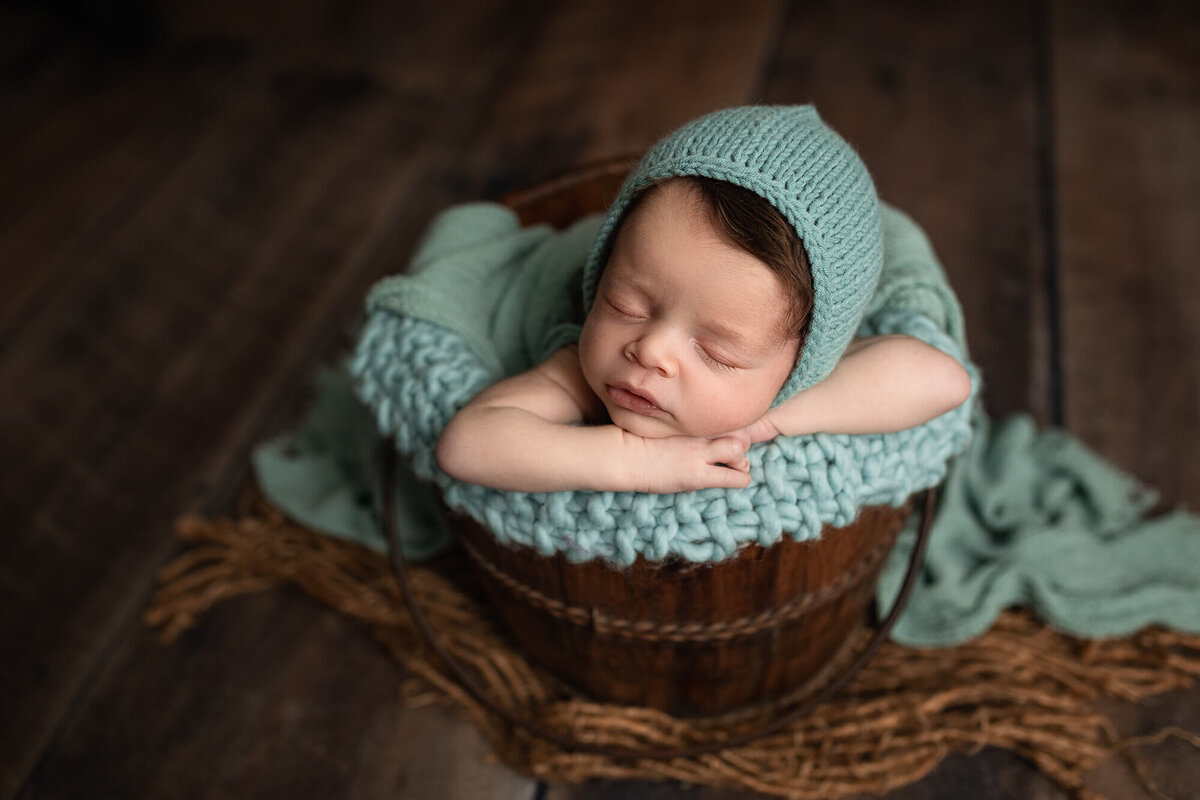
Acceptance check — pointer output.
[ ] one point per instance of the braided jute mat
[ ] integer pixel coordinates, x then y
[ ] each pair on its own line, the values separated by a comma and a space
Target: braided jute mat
1021, 686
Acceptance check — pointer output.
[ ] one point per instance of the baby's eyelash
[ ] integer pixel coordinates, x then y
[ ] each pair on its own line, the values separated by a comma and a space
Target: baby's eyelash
620, 311
716, 362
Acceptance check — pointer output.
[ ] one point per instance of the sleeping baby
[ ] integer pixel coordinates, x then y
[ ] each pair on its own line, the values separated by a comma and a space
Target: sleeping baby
722, 298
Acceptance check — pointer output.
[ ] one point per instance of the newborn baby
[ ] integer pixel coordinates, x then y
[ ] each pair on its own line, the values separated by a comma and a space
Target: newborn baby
700, 316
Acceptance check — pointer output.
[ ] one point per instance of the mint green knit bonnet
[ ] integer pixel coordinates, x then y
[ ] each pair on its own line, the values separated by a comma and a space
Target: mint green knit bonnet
791, 158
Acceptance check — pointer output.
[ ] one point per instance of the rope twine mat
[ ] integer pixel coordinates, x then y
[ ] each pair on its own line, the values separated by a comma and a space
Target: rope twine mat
1021, 686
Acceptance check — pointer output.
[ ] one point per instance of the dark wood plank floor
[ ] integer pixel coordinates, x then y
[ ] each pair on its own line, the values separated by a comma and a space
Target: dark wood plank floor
196, 195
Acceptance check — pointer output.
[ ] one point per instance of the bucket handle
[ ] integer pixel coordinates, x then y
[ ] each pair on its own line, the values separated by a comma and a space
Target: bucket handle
471, 687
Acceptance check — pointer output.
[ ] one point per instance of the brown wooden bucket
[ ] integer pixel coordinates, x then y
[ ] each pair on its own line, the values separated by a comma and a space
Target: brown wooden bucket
688, 638
682, 637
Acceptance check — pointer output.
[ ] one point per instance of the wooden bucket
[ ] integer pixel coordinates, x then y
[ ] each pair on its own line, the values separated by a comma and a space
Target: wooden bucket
688, 638
685, 638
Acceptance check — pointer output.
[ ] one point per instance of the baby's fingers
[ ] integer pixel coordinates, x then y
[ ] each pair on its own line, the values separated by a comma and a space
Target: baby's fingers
719, 477
741, 464
730, 451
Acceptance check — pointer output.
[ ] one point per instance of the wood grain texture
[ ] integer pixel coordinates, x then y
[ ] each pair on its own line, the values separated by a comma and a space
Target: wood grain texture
645, 634
189, 223
182, 336
1130, 200
938, 99
987, 775
150, 372
277, 697
1171, 764
80, 156
614, 77
1126, 80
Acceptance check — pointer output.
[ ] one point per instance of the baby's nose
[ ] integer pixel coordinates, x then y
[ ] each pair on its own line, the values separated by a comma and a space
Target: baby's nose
654, 351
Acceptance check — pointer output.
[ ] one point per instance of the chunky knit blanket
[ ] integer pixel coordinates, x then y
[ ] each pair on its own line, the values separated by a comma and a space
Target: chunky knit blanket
1027, 518
435, 338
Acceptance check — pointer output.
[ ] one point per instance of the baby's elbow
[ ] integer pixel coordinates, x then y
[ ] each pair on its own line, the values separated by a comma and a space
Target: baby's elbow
954, 383
449, 453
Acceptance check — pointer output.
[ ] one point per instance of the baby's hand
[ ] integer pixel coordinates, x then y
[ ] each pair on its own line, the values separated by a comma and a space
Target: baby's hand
688, 463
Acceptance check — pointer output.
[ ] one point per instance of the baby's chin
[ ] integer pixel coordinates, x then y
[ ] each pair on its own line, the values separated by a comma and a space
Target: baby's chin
643, 425
649, 427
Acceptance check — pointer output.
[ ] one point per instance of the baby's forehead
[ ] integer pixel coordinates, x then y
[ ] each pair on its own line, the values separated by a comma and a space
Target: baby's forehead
671, 205
680, 195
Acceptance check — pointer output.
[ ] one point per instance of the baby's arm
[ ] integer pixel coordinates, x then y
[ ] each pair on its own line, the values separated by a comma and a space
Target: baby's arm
882, 384
522, 434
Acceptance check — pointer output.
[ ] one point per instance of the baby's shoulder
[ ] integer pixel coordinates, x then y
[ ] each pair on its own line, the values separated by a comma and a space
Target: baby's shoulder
564, 370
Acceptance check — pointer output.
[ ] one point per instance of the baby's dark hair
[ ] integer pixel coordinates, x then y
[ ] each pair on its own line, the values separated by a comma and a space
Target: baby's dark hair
748, 222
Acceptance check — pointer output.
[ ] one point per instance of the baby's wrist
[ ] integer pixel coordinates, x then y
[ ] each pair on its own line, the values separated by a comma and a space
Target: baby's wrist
764, 429
770, 422
634, 461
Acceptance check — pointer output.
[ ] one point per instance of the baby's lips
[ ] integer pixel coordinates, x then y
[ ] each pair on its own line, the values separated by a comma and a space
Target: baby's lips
634, 400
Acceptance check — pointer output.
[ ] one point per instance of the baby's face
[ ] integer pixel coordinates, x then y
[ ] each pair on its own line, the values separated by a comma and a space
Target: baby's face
687, 333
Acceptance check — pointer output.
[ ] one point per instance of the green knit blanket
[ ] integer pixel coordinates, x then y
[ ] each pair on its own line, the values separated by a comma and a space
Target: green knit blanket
1026, 518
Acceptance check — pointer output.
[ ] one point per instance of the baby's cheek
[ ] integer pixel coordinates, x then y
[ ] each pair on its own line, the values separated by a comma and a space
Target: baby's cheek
746, 405
592, 362
720, 412
587, 340
587, 360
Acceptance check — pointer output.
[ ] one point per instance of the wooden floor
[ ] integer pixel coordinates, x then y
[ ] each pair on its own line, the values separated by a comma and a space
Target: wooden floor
196, 196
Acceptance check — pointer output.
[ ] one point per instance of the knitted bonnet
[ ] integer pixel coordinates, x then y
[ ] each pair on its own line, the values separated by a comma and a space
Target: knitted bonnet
793, 160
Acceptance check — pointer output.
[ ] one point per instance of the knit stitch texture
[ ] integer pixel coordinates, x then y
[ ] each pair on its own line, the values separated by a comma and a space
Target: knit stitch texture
416, 375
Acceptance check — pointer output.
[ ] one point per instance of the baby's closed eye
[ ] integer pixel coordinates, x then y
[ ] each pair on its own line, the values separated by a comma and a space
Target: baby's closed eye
716, 360
624, 310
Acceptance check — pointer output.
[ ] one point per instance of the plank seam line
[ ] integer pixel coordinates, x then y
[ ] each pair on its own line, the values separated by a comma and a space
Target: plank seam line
769, 68
1043, 76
